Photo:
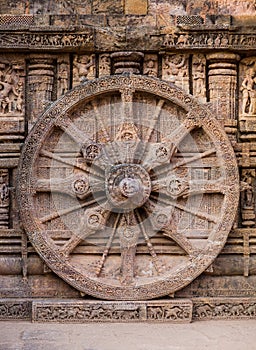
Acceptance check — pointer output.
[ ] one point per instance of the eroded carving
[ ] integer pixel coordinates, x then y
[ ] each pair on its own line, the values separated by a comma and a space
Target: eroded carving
86, 311
175, 70
199, 77
84, 68
224, 309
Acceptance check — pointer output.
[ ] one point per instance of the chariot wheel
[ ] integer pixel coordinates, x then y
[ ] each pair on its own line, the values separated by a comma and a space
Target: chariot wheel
128, 188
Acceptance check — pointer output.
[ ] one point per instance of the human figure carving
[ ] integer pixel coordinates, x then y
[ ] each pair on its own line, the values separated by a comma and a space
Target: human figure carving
6, 89
83, 65
249, 93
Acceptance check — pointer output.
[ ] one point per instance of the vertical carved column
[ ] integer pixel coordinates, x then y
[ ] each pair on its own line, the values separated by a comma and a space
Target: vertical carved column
127, 62
4, 199
222, 80
40, 85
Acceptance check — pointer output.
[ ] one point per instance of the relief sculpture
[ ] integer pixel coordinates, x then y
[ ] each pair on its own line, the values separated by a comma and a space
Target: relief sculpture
175, 70
134, 187
11, 89
247, 94
127, 160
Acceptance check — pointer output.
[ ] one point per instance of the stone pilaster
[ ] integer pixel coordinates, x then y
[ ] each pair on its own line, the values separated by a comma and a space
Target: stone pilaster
222, 87
40, 85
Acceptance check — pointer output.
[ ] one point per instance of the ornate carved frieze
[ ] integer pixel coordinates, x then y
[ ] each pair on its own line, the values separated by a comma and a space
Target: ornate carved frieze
174, 311
15, 309
50, 40
224, 309
207, 39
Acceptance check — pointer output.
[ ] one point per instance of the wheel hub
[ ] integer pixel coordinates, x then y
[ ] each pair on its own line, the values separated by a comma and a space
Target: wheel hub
128, 186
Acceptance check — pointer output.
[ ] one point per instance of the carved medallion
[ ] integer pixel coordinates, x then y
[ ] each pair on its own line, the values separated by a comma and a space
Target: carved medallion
128, 188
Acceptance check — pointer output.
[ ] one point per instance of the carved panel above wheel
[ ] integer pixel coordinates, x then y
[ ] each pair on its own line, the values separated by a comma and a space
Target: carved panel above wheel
128, 188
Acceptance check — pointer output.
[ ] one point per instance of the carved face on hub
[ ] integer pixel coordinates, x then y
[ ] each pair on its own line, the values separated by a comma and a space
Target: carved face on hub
128, 186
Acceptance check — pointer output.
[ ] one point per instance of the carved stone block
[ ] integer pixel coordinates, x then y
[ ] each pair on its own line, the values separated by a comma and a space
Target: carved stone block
135, 7
224, 308
150, 66
175, 70
83, 68
173, 311
199, 76
247, 98
15, 309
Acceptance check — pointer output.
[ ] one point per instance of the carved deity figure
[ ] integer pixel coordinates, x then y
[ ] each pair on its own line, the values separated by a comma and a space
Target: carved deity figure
6, 89
83, 66
199, 76
11, 89
247, 189
150, 66
175, 70
248, 90
63, 78
104, 65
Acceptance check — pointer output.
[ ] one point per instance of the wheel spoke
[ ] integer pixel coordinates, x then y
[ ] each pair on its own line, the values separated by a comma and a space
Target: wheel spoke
180, 239
201, 215
71, 163
156, 262
128, 234
181, 132
72, 130
62, 212
195, 158
107, 247
161, 153
110, 151
76, 186
93, 221
185, 189
155, 119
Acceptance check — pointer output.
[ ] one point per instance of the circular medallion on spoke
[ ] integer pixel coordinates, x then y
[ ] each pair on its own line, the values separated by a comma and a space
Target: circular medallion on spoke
128, 188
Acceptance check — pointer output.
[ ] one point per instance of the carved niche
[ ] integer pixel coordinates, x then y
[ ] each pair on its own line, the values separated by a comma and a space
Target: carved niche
128, 188
247, 107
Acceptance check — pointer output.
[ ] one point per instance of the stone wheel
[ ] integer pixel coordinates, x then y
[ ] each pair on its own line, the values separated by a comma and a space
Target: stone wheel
128, 188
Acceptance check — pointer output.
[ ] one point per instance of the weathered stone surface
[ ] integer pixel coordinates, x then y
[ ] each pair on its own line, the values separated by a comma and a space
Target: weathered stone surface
180, 47
137, 7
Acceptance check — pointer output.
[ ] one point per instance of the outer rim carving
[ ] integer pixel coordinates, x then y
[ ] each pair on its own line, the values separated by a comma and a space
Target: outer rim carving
56, 261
